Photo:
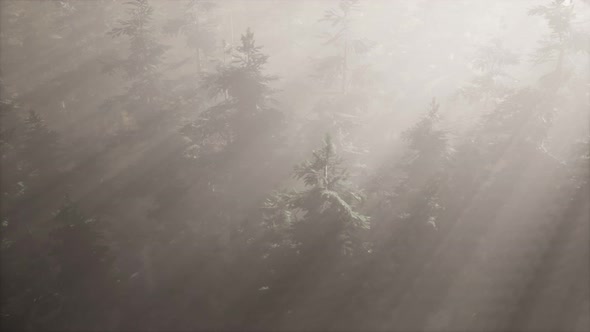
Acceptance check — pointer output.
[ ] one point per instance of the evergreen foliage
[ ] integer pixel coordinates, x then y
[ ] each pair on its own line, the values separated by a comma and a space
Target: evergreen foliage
180, 193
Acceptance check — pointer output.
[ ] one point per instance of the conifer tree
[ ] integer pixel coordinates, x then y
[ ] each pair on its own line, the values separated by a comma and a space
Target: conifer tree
335, 68
564, 38
422, 165
324, 214
347, 75
408, 216
417, 195
509, 146
491, 82
142, 106
243, 118
233, 142
330, 221
197, 29
316, 231
519, 123
245, 96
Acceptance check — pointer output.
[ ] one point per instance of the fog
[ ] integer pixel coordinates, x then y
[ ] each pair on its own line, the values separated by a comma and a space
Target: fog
308, 165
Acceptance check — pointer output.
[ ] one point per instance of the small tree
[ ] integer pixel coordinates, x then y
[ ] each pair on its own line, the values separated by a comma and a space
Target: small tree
323, 219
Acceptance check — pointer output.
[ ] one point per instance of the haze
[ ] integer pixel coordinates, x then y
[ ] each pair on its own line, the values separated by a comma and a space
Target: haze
294, 165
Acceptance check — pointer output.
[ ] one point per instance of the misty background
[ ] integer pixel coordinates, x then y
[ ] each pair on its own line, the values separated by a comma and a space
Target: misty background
307, 165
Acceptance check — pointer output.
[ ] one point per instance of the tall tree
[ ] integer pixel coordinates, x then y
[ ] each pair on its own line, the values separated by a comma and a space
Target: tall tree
348, 69
330, 220
491, 82
243, 125
335, 68
407, 214
323, 230
197, 28
563, 38
510, 156
233, 144
142, 106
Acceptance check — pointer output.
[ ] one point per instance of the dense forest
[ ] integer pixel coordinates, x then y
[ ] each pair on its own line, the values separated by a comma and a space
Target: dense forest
306, 165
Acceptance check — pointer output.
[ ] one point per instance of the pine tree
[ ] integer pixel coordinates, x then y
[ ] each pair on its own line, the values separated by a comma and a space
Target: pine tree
197, 29
142, 106
499, 162
315, 237
516, 127
243, 119
422, 165
329, 205
348, 68
233, 144
563, 39
521, 120
336, 67
491, 82
408, 218
243, 92
323, 218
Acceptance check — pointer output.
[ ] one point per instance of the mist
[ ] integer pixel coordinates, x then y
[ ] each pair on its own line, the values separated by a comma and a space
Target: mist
283, 165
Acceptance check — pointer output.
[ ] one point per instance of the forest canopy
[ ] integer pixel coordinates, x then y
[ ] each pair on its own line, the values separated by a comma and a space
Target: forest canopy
272, 165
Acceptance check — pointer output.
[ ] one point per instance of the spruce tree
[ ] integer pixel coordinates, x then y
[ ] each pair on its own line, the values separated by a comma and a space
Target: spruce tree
142, 106
243, 126
316, 236
511, 155
409, 211
564, 38
233, 143
330, 221
420, 170
348, 81
197, 28
491, 82
244, 98
323, 217
335, 68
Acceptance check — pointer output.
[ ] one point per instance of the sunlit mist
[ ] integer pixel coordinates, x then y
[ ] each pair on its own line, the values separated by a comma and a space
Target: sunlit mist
295, 165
